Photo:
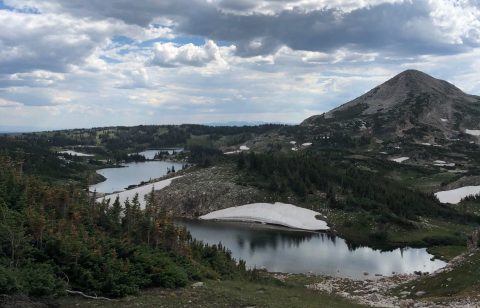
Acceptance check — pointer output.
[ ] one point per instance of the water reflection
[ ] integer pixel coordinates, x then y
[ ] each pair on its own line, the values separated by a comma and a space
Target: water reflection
284, 250
118, 179
150, 154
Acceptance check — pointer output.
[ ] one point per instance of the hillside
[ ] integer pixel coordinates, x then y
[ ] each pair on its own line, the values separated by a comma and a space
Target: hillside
410, 105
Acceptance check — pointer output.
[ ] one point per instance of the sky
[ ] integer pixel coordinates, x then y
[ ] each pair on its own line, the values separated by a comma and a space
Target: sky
90, 63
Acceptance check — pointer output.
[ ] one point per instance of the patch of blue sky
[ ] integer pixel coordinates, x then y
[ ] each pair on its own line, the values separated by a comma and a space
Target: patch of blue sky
3, 6
110, 60
122, 40
25, 10
183, 40
134, 46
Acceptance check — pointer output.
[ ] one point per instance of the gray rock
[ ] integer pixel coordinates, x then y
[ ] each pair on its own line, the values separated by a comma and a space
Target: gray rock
420, 293
198, 284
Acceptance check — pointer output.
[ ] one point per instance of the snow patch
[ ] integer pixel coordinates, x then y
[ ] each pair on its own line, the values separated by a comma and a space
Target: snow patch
142, 192
244, 148
444, 164
426, 143
232, 152
307, 144
443, 120
400, 159
473, 132
293, 142
454, 196
287, 215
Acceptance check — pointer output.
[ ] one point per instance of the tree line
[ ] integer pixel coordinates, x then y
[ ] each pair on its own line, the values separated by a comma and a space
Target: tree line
345, 186
55, 238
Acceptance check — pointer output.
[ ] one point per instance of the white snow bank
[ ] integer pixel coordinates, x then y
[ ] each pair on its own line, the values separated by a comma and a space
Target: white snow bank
400, 159
142, 192
287, 215
307, 144
293, 142
232, 152
294, 149
74, 153
444, 164
426, 144
443, 120
244, 148
473, 132
454, 196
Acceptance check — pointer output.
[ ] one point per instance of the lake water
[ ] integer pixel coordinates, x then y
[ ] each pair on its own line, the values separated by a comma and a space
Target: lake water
133, 173
75, 153
282, 250
150, 154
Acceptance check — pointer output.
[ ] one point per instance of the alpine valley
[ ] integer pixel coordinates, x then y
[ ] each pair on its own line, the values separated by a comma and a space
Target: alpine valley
376, 202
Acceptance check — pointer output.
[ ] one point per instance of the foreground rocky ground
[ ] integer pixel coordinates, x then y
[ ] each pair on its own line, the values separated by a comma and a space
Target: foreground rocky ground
406, 290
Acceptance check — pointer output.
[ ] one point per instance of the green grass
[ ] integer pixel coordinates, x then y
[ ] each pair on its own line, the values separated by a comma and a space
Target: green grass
431, 228
462, 280
426, 183
222, 294
446, 253
445, 240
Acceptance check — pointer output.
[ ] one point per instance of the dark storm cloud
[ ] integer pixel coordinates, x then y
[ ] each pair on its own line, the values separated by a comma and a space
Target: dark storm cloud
401, 28
404, 28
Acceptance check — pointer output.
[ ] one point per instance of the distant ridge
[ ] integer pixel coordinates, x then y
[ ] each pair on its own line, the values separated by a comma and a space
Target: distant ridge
242, 123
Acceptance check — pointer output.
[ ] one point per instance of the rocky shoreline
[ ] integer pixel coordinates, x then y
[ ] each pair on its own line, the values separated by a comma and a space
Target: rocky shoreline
380, 292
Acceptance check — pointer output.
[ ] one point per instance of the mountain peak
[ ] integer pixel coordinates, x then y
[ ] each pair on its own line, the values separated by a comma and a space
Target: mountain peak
414, 72
400, 89
416, 81
408, 101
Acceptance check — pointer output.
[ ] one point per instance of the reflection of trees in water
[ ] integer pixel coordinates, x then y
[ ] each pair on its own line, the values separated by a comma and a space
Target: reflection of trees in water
353, 246
273, 238
255, 236
328, 236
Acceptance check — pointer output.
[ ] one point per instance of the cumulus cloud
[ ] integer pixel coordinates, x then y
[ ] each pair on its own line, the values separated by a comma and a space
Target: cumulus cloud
48, 42
262, 27
170, 55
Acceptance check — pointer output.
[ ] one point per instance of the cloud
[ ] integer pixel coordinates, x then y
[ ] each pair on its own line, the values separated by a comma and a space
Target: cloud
95, 63
170, 55
262, 27
135, 79
49, 42
8, 103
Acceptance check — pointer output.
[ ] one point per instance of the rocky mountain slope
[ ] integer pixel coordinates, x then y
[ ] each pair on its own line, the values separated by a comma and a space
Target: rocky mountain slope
411, 104
206, 190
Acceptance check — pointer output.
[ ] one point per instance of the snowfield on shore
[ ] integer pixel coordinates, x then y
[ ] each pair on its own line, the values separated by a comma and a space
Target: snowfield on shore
142, 192
454, 196
473, 132
287, 215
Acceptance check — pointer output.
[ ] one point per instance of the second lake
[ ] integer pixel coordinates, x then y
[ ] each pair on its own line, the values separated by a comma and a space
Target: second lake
118, 179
